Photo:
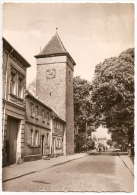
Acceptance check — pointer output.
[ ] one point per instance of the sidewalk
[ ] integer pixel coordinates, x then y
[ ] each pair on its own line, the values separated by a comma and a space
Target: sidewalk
18, 170
124, 157
127, 161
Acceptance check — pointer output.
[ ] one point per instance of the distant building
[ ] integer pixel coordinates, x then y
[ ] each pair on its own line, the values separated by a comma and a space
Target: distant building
13, 104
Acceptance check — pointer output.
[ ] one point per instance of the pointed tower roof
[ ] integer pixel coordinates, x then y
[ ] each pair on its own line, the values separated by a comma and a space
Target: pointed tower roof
54, 47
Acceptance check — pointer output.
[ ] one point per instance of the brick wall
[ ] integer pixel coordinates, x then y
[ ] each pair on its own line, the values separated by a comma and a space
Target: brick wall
70, 112
57, 92
52, 91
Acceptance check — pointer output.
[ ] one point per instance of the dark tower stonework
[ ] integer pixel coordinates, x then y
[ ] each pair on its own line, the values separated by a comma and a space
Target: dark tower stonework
54, 84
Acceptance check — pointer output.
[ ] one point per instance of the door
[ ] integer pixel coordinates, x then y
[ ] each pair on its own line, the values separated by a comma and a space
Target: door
54, 145
42, 144
12, 131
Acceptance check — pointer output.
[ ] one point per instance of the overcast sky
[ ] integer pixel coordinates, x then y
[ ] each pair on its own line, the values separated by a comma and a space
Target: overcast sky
90, 32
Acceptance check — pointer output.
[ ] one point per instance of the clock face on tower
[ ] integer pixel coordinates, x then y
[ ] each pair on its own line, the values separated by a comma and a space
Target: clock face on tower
50, 74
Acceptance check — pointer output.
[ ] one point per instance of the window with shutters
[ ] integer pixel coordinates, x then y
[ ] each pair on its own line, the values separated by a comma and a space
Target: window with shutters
17, 83
13, 82
30, 137
32, 110
36, 112
47, 139
47, 117
62, 143
56, 143
20, 86
36, 138
43, 115
59, 143
55, 124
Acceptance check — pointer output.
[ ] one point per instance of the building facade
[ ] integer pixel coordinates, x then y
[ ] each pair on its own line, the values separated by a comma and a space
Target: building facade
33, 127
54, 83
58, 132
13, 104
44, 130
37, 128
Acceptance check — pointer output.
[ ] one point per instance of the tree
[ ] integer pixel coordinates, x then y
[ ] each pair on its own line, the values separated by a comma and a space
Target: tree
109, 142
82, 104
83, 116
113, 95
32, 87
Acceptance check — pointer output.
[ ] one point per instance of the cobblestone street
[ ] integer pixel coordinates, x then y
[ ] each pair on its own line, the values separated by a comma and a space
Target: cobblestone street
92, 173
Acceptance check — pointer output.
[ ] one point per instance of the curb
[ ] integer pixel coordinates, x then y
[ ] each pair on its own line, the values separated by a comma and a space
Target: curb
42, 169
125, 164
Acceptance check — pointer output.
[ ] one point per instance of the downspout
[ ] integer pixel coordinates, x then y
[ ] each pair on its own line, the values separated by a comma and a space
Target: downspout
5, 98
51, 147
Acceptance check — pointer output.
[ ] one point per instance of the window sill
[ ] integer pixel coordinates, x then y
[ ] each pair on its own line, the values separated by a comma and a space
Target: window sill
12, 94
43, 121
47, 123
58, 148
20, 98
33, 146
32, 116
36, 118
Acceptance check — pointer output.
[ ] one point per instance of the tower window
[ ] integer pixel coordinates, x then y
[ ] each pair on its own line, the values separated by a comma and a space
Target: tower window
69, 76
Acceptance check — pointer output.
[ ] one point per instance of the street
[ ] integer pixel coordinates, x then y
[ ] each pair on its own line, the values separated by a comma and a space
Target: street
95, 173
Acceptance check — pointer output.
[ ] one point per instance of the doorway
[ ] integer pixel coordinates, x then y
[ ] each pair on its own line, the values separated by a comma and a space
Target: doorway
54, 145
42, 144
11, 140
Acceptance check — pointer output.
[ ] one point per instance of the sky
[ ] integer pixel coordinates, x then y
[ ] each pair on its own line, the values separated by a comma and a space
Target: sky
101, 132
90, 32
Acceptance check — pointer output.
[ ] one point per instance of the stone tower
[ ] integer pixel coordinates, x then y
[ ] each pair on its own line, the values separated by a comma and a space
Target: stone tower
54, 84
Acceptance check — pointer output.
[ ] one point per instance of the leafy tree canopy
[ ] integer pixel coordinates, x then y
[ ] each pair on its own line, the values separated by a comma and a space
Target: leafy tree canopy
113, 94
82, 104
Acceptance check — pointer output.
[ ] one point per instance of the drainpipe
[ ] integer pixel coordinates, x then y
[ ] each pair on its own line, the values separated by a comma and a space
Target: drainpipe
51, 145
5, 98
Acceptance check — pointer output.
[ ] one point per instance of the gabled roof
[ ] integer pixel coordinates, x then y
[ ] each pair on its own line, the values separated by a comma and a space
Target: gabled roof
54, 47
15, 53
28, 93
55, 115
